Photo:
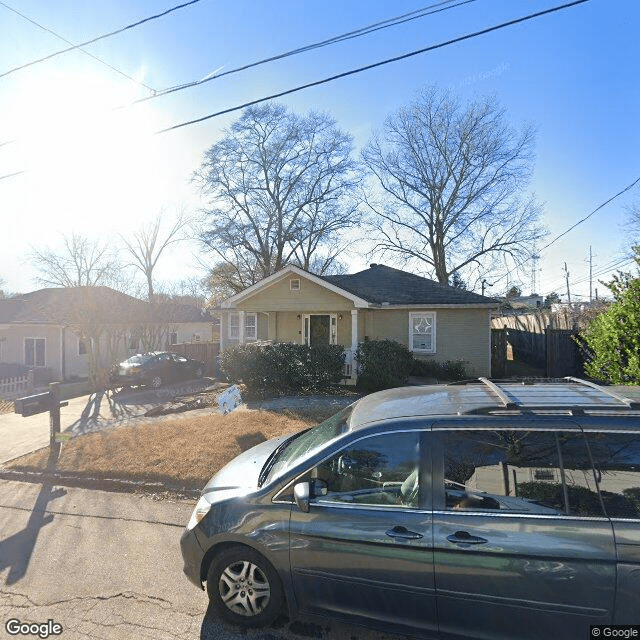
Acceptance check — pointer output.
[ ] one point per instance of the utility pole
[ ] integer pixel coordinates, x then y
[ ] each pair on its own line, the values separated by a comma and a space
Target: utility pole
590, 275
484, 285
566, 272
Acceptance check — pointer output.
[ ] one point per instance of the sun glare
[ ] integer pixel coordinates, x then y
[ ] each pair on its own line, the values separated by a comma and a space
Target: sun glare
83, 154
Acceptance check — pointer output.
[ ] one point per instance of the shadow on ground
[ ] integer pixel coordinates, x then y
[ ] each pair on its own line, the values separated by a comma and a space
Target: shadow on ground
109, 407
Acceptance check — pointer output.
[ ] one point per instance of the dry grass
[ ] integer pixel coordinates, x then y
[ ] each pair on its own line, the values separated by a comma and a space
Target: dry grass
181, 453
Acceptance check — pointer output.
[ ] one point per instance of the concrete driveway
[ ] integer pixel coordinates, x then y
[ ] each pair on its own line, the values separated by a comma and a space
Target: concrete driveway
19, 436
108, 565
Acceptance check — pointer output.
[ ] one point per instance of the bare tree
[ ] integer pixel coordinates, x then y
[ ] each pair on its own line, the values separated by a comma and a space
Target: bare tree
149, 243
452, 180
280, 187
82, 263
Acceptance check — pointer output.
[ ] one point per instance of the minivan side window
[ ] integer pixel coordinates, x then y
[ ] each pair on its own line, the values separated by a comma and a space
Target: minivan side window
617, 460
532, 472
380, 470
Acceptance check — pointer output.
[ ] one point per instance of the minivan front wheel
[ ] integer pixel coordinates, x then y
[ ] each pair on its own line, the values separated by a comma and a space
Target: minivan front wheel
244, 588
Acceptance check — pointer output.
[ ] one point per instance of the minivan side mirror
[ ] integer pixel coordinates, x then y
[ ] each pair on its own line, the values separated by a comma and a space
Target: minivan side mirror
301, 493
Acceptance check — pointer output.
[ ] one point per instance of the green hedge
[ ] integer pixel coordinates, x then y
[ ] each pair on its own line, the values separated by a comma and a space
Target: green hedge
383, 364
448, 370
284, 367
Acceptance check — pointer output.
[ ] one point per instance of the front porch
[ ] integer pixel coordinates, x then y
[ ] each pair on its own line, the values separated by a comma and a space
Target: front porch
313, 328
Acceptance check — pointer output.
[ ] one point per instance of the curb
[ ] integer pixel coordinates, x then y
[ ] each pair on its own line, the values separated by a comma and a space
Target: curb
89, 482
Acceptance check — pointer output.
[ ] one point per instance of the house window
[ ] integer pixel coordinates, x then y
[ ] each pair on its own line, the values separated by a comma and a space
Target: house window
35, 352
82, 347
234, 326
173, 337
250, 326
422, 332
294, 285
134, 343
195, 337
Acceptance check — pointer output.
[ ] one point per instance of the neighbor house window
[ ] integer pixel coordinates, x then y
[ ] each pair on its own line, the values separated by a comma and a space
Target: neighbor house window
134, 343
250, 326
82, 347
195, 337
294, 284
173, 337
35, 352
422, 332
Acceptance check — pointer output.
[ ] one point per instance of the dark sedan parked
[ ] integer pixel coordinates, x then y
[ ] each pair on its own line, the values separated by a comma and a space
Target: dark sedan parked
155, 369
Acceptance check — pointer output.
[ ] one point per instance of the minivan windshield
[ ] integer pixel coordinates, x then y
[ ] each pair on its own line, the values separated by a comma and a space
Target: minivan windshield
297, 448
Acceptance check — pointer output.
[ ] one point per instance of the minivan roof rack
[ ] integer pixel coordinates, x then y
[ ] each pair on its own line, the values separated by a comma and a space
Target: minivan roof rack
612, 394
504, 399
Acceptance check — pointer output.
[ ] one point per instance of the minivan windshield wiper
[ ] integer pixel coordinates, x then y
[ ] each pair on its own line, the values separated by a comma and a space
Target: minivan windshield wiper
301, 444
273, 456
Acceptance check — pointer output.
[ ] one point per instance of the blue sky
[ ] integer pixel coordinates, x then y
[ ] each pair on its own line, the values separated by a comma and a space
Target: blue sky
573, 74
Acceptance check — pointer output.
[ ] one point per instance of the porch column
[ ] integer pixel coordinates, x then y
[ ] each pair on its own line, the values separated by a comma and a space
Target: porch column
354, 330
224, 329
241, 328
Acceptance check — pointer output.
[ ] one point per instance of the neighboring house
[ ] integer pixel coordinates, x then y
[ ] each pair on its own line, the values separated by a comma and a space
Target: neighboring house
432, 320
71, 331
534, 301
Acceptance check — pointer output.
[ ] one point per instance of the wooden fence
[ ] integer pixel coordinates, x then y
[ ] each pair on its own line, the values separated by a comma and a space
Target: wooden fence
206, 352
12, 388
541, 338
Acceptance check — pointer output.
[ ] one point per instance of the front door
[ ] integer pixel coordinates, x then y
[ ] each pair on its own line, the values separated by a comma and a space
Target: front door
364, 548
522, 549
319, 329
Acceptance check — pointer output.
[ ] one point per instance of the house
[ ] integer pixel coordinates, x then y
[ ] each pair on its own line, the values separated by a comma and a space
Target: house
70, 331
433, 320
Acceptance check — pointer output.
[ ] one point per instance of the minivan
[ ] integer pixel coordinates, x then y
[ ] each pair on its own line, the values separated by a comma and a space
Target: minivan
472, 510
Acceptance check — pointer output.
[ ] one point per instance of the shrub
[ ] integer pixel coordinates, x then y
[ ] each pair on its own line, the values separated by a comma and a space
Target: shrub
611, 343
383, 364
284, 367
448, 370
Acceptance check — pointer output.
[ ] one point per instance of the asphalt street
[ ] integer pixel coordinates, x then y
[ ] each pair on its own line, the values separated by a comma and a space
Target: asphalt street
108, 565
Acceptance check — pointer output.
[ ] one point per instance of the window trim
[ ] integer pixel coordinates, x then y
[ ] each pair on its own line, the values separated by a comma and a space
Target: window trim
230, 335
433, 316
35, 364
291, 287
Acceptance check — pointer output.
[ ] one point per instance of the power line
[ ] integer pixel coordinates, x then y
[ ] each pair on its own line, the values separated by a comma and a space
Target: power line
357, 33
11, 175
518, 265
573, 226
102, 37
374, 65
87, 53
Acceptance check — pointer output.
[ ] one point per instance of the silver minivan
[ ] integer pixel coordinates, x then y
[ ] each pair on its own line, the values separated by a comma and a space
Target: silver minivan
478, 510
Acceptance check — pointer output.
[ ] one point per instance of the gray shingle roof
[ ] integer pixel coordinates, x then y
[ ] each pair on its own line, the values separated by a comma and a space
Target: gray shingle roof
64, 305
381, 284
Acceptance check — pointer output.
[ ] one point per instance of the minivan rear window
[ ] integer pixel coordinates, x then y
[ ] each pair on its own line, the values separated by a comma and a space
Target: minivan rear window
309, 442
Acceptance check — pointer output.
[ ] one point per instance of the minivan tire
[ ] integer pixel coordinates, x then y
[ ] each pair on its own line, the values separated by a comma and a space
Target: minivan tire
238, 569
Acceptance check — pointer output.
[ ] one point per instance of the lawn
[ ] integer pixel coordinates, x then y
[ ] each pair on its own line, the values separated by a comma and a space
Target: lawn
179, 453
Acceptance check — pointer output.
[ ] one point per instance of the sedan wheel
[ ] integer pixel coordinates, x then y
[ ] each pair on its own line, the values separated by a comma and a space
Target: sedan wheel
199, 372
244, 588
156, 382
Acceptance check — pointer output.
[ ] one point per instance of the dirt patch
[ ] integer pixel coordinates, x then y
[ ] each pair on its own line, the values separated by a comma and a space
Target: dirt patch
182, 453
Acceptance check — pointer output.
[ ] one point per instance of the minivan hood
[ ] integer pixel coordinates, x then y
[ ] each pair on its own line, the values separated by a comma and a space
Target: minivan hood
242, 472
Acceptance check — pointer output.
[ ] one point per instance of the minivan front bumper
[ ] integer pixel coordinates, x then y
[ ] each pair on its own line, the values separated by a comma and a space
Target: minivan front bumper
192, 555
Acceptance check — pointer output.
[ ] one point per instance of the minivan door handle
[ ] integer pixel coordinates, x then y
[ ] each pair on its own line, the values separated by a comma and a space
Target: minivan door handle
402, 532
464, 537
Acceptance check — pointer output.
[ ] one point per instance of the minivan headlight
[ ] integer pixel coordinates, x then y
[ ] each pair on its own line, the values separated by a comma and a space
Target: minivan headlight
201, 510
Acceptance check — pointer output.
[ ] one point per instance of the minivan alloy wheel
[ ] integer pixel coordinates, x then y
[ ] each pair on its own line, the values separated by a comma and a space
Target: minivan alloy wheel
244, 589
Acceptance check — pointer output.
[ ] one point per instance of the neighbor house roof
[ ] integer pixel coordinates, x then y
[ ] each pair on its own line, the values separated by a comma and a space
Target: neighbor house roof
380, 284
70, 305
